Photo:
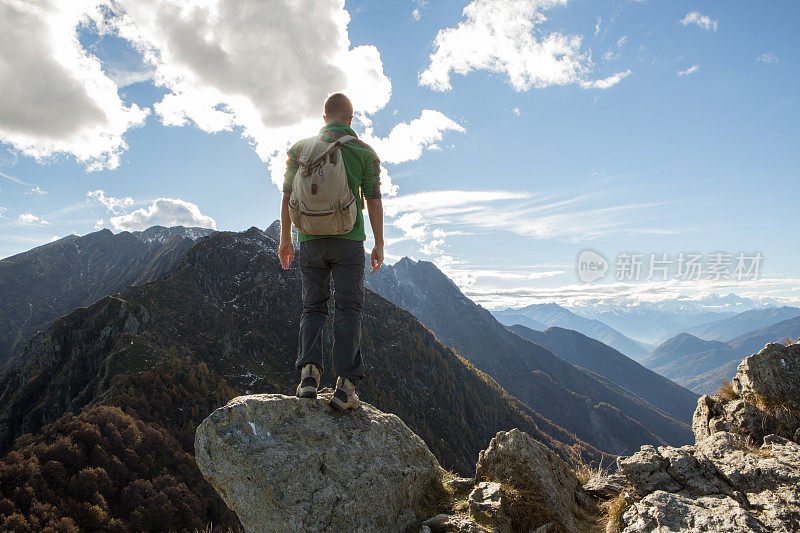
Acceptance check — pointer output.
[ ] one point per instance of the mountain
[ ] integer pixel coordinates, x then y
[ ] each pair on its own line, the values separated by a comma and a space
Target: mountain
98, 412
728, 328
46, 282
604, 360
679, 346
702, 365
651, 322
595, 408
554, 315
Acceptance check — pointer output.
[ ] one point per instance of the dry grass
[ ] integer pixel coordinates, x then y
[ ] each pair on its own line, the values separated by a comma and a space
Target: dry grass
435, 500
785, 414
614, 509
745, 444
525, 508
788, 341
584, 471
727, 392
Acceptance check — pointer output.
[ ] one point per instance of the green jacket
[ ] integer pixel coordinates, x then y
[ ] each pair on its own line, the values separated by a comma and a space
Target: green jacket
363, 175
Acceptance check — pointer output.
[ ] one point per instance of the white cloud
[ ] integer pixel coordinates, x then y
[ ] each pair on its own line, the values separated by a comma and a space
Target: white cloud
164, 212
608, 82
29, 219
503, 36
698, 19
56, 97
212, 58
14, 179
688, 71
38, 191
516, 111
114, 205
620, 293
2, 211
767, 57
407, 140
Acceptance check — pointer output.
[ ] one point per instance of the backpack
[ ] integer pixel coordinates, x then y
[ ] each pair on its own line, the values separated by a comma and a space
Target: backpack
321, 202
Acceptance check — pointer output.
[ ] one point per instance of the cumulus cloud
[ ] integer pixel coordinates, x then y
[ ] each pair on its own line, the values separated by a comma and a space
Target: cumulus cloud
407, 140
56, 97
164, 212
263, 67
114, 205
701, 21
688, 71
503, 36
29, 219
2, 211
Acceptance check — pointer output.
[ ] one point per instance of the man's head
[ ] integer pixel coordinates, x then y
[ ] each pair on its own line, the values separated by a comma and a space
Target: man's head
338, 109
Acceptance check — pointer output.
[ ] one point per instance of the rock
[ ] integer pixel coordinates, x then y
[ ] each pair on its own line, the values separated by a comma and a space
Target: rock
605, 487
646, 470
723, 483
773, 374
768, 389
544, 484
442, 523
486, 501
460, 483
664, 511
289, 464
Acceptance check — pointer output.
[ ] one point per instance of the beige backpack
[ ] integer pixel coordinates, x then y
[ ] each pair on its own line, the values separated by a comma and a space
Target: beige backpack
322, 202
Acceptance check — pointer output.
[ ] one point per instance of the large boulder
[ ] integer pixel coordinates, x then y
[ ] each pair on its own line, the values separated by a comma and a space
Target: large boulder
544, 488
289, 464
763, 399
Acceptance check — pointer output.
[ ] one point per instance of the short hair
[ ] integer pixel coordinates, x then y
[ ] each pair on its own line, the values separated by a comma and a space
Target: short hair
338, 106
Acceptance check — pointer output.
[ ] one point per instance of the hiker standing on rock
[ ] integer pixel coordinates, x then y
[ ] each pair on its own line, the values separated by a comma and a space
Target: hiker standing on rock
326, 178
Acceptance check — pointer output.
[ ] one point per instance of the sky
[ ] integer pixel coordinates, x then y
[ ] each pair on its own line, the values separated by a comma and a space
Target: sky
576, 151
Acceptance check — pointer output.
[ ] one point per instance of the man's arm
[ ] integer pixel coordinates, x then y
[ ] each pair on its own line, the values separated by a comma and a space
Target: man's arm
286, 248
375, 210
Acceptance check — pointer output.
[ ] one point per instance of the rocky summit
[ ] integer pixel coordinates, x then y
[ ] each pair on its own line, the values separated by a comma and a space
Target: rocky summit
289, 464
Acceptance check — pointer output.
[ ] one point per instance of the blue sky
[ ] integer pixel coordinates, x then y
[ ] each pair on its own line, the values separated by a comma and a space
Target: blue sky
617, 126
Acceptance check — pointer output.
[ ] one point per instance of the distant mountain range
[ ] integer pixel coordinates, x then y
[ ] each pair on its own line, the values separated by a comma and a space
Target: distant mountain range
701, 365
543, 316
596, 408
46, 282
728, 328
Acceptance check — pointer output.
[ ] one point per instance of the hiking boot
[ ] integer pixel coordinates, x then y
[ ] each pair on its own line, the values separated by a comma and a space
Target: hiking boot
309, 382
344, 397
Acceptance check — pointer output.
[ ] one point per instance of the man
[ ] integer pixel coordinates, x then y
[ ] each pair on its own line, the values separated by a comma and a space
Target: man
342, 256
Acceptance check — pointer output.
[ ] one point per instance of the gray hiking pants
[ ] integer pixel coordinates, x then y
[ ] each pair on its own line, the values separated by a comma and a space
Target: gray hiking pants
318, 259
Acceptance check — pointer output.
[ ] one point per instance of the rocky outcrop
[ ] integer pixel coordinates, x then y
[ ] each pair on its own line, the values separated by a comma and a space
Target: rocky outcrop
289, 464
541, 481
763, 398
743, 472
720, 484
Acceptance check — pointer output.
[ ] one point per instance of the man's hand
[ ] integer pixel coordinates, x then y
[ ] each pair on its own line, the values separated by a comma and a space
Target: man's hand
286, 253
376, 258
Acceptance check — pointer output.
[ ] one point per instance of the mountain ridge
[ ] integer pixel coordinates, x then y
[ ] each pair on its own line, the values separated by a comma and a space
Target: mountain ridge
528, 371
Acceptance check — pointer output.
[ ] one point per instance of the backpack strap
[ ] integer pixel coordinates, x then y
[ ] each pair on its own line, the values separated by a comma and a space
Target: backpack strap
335, 145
